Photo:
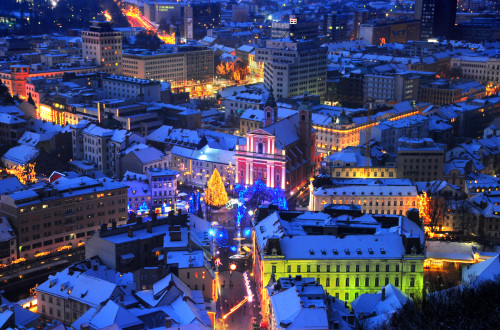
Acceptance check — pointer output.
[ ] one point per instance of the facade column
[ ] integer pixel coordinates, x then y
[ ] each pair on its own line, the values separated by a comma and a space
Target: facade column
268, 175
247, 172
283, 179
251, 174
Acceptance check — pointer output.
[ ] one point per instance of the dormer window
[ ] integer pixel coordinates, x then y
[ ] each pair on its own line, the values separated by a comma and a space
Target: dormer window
382, 250
323, 252
358, 251
274, 252
335, 252
347, 252
311, 252
370, 251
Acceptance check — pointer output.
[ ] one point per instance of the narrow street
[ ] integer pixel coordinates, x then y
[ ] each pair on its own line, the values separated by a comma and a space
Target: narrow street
233, 291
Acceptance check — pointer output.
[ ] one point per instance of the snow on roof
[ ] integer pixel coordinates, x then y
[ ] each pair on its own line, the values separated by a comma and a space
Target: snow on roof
9, 119
288, 310
374, 310
9, 185
487, 270
21, 154
367, 190
112, 313
148, 155
253, 114
348, 156
6, 231
186, 259
351, 247
456, 251
284, 130
91, 291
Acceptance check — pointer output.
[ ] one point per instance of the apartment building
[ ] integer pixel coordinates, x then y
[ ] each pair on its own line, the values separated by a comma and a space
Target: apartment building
395, 88
103, 45
292, 68
121, 87
99, 146
65, 212
183, 66
375, 196
163, 184
419, 159
480, 68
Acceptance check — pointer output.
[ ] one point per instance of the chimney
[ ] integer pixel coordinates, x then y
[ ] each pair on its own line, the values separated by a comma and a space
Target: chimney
130, 232
113, 225
168, 322
94, 267
149, 227
84, 326
383, 294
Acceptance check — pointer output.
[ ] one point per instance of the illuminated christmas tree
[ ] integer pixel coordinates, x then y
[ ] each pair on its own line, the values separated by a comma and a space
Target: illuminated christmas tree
215, 194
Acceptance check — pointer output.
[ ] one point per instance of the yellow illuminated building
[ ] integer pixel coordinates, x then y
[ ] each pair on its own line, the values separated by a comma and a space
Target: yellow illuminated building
346, 266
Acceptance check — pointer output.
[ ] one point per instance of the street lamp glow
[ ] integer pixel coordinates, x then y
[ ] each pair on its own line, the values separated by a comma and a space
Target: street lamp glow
250, 213
232, 267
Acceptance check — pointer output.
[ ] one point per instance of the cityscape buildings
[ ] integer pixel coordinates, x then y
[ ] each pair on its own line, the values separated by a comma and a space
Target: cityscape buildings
264, 165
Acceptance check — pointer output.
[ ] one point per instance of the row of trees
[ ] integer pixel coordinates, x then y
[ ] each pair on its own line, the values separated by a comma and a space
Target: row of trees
463, 307
236, 71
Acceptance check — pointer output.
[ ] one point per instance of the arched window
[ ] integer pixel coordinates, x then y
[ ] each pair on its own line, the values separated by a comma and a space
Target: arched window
260, 148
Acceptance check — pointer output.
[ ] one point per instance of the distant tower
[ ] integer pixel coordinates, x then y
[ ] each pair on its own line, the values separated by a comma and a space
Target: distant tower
270, 110
103, 45
306, 135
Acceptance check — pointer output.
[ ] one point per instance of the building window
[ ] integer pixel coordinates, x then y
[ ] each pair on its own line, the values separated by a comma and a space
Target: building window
347, 281
387, 268
386, 280
376, 282
327, 282
397, 268
289, 269
377, 268
413, 268
298, 268
412, 282
273, 267
260, 148
357, 268
318, 268
337, 282
356, 283
338, 268
347, 268
367, 281
396, 282
367, 268
346, 296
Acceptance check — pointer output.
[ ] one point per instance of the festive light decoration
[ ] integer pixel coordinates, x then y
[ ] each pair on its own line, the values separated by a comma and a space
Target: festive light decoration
25, 173
235, 308
231, 203
248, 287
143, 208
215, 194
194, 202
221, 236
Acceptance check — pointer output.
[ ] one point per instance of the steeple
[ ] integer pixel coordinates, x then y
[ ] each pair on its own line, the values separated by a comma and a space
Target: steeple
270, 110
271, 102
